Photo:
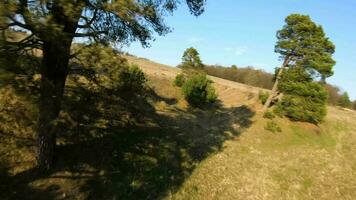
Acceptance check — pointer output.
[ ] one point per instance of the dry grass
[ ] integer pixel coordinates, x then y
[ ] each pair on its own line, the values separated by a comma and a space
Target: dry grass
156, 147
301, 162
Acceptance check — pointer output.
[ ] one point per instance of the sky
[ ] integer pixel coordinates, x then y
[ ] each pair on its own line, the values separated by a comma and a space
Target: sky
243, 32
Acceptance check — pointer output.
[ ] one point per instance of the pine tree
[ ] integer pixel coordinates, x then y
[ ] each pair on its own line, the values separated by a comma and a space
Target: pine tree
345, 101
52, 26
191, 60
302, 43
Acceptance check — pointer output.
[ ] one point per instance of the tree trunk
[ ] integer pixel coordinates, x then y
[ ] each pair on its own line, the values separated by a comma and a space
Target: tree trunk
54, 71
275, 86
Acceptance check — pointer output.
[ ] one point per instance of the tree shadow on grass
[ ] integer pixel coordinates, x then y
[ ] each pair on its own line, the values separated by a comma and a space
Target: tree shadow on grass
112, 147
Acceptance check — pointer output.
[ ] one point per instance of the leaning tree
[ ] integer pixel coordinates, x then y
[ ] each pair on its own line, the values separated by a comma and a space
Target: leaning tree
51, 26
302, 43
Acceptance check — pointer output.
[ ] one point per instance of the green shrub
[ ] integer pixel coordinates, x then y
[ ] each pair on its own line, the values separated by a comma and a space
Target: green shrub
278, 109
303, 99
132, 78
305, 109
263, 96
345, 101
211, 94
269, 115
179, 80
273, 127
198, 90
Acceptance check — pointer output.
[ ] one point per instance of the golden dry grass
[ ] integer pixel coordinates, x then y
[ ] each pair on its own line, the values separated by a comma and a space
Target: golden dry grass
159, 148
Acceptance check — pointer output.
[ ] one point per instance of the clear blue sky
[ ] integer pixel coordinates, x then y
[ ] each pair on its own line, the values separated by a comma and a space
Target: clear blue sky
242, 32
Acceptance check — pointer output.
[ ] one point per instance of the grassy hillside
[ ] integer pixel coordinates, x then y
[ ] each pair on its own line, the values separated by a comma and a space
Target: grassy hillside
301, 162
155, 146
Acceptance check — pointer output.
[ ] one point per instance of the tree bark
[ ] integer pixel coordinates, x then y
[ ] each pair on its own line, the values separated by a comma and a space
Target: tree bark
54, 72
275, 85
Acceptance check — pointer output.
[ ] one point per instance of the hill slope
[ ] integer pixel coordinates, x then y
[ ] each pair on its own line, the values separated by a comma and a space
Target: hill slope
154, 146
302, 162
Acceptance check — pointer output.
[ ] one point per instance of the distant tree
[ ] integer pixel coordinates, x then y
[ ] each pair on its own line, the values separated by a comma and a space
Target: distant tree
301, 43
334, 94
191, 60
354, 105
245, 75
52, 26
345, 101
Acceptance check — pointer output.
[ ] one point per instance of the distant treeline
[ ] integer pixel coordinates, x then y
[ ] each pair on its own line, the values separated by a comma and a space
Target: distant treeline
263, 79
245, 75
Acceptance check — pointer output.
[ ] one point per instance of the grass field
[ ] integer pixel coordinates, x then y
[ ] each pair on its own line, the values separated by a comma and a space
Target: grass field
155, 146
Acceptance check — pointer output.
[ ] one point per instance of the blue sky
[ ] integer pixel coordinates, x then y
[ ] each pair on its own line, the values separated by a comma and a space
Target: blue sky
243, 32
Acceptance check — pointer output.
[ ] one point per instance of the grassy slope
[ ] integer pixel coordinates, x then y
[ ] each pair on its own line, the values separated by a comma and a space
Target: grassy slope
302, 162
156, 147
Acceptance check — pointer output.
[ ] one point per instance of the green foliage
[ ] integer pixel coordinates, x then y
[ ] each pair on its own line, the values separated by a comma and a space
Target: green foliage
305, 43
269, 115
333, 93
263, 96
273, 127
132, 78
191, 60
299, 108
105, 21
303, 99
198, 90
179, 80
278, 109
105, 68
354, 105
345, 101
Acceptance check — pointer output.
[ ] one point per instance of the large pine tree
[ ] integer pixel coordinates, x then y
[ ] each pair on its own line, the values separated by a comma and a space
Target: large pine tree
302, 44
52, 26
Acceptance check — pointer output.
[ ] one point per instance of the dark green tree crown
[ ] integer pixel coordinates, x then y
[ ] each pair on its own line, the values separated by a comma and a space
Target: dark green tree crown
304, 43
191, 59
104, 21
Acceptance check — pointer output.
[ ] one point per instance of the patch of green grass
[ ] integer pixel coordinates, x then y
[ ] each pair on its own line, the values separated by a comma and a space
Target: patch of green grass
273, 127
301, 136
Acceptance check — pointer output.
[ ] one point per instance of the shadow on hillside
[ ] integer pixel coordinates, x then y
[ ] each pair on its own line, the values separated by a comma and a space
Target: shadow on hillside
123, 148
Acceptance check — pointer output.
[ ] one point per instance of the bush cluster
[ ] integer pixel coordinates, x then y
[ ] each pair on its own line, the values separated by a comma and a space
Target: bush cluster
303, 100
197, 88
269, 115
132, 78
263, 96
273, 127
179, 80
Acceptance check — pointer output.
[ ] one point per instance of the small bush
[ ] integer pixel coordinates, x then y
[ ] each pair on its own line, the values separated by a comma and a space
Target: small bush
179, 80
132, 78
198, 90
278, 109
273, 127
263, 96
269, 115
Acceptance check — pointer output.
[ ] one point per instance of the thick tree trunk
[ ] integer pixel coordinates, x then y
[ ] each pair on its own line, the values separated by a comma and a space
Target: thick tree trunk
275, 86
54, 71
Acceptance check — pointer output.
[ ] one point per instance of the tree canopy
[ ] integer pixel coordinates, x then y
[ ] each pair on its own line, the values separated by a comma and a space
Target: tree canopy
120, 21
345, 101
307, 55
191, 59
304, 44
52, 25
